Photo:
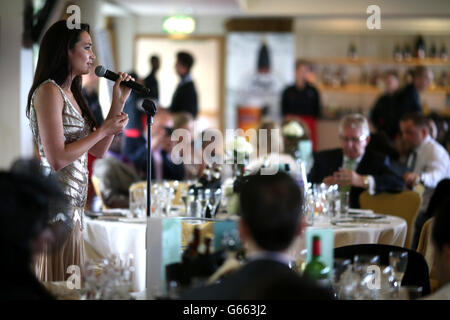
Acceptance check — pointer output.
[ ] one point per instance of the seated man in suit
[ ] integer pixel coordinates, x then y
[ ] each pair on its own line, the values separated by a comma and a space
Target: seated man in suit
116, 174
428, 162
271, 218
354, 165
163, 168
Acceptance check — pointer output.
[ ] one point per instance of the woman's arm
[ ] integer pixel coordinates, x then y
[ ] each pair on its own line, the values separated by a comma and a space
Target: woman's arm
120, 95
49, 104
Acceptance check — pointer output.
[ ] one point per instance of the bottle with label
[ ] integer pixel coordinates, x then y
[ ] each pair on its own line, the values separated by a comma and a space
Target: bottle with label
191, 252
419, 50
398, 54
316, 269
407, 53
433, 51
444, 52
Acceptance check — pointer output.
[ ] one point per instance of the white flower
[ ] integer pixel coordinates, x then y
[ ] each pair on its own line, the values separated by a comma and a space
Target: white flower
293, 129
240, 145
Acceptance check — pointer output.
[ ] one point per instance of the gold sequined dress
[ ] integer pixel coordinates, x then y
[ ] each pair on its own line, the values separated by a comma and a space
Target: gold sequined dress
53, 265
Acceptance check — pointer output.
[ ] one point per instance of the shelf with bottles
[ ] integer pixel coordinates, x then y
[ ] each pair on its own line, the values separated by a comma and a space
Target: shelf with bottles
355, 88
361, 61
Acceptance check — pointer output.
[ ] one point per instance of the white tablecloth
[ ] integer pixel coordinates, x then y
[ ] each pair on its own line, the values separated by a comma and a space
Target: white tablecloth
118, 238
389, 230
121, 238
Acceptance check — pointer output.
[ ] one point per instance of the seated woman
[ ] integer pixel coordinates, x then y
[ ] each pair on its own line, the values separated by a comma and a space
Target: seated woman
271, 150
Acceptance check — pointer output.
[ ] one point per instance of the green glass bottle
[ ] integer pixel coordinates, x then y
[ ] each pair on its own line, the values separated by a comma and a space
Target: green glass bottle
316, 269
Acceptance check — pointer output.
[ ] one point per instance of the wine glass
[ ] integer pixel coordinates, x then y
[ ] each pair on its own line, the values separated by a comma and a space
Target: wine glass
184, 198
204, 199
214, 201
398, 260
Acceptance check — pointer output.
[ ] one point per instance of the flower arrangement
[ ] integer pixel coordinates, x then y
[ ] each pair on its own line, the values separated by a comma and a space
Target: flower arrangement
239, 145
293, 130
239, 149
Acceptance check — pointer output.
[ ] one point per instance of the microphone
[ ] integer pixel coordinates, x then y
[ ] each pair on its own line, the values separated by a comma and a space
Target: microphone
101, 71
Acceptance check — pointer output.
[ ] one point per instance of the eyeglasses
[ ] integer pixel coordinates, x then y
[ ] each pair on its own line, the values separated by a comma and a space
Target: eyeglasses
353, 139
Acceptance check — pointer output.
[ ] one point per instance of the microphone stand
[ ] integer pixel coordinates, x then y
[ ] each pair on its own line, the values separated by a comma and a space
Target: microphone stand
150, 109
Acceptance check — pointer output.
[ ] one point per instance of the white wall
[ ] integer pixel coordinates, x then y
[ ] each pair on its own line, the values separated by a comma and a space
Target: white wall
16, 70
128, 27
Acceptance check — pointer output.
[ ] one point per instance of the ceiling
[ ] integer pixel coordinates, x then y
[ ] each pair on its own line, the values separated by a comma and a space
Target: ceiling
290, 8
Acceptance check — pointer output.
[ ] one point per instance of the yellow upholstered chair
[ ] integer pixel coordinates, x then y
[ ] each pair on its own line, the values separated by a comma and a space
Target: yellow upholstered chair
96, 184
426, 248
405, 204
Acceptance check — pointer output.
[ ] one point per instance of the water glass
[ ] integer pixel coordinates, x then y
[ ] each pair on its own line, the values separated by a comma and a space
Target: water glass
344, 202
195, 208
138, 201
214, 201
398, 260
362, 261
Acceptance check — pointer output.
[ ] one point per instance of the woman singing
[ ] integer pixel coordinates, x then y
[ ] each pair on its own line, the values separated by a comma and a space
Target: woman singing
65, 131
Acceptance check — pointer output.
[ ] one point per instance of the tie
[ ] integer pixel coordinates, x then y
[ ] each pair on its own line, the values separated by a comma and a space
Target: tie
412, 161
350, 164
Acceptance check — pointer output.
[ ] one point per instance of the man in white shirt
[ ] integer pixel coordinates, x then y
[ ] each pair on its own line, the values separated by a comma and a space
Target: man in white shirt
428, 162
441, 242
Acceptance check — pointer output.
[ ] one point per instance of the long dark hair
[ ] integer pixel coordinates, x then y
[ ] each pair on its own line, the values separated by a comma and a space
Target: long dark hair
53, 63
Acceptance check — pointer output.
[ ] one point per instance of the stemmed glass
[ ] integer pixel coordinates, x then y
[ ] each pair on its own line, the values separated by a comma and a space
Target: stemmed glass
204, 200
184, 198
361, 263
214, 201
398, 260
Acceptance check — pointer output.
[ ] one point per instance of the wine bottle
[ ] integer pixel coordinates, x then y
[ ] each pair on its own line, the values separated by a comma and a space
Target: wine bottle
433, 51
444, 52
398, 55
407, 54
191, 252
352, 53
419, 50
316, 269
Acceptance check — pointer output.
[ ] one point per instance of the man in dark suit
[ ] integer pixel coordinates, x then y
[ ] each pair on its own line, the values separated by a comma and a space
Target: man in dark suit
150, 81
271, 218
185, 96
355, 165
407, 99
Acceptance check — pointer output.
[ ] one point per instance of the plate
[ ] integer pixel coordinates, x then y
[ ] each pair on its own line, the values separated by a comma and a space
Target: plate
116, 212
360, 211
133, 220
368, 216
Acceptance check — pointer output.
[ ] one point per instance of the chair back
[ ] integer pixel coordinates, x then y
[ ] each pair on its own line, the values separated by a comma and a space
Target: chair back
416, 273
96, 184
426, 248
405, 204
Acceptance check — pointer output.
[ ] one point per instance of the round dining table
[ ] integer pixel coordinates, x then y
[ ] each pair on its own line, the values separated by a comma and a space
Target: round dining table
125, 236
386, 230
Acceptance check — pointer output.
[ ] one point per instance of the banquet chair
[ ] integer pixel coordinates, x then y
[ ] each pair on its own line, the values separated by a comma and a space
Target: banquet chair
416, 273
426, 248
96, 184
405, 204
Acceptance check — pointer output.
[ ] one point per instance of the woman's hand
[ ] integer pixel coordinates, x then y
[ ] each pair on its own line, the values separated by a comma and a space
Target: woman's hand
115, 124
121, 93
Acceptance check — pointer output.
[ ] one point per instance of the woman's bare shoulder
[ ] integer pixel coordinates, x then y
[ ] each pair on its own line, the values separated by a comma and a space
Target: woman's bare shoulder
48, 94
